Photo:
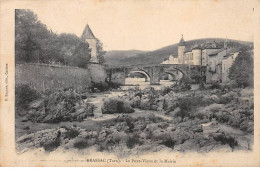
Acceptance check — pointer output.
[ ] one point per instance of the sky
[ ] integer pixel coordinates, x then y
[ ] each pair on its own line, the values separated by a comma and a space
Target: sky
149, 24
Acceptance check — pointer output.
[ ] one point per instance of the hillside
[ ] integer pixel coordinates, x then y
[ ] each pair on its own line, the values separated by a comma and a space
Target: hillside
115, 57
157, 56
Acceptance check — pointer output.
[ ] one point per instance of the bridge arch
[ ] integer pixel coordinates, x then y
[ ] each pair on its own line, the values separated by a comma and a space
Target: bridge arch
176, 73
147, 77
154, 72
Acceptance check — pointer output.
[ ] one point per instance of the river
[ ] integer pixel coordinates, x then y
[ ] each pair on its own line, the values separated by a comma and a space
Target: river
97, 100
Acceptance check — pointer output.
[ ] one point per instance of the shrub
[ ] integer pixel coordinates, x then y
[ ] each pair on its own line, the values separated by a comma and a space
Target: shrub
132, 140
99, 86
165, 90
24, 95
247, 126
51, 146
215, 86
186, 105
202, 87
169, 143
71, 133
235, 122
185, 87
221, 117
200, 115
231, 141
81, 143
116, 105
224, 100
113, 85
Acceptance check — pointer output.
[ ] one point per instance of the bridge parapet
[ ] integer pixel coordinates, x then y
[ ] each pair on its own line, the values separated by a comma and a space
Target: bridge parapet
154, 71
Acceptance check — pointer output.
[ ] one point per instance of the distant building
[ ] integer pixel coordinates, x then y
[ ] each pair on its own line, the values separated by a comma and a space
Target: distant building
172, 60
89, 37
195, 55
211, 54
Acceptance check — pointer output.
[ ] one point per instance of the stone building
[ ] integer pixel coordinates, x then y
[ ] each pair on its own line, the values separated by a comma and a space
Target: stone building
88, 36
210, 54
214, 66
194, 55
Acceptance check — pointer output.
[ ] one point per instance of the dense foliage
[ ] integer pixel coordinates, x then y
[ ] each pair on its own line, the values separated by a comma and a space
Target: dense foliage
100, 52
24, 95
242, 70
35, 43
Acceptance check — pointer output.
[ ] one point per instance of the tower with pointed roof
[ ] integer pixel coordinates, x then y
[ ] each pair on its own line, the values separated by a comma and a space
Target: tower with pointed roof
181, 50
88, 36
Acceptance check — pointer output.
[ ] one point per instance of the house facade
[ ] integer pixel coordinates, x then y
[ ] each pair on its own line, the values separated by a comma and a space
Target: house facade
210, 54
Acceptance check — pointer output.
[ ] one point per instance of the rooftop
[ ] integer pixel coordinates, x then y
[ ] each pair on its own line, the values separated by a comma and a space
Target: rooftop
87, 33
182, 42
216, 52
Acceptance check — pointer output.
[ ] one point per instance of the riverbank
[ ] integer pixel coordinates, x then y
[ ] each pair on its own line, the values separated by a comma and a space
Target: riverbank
210, 121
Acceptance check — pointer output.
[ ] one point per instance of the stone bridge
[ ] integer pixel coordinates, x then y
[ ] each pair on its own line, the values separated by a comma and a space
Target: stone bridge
153, 73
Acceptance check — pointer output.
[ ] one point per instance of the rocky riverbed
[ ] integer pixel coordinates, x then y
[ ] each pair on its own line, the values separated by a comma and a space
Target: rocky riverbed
137, 121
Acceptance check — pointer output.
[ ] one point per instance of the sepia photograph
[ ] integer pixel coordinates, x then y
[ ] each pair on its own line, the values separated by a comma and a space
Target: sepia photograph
122, 80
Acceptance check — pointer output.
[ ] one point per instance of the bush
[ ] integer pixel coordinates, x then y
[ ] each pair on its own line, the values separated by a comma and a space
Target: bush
165, 90
24, 95
221, 117
169, 143
202, 87
51, 146
185, 87
132, 141
71, 133
224, 139
247, 126
81, 143
113, 85
215, 86
116, 105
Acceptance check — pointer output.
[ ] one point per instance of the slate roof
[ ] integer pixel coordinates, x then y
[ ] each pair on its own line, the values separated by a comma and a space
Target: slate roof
87, 33
182, 42
216, 52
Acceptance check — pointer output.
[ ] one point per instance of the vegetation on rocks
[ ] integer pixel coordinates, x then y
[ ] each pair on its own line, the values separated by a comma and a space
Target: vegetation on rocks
234, 107
116, 105
127, 135
59, 106
24, 95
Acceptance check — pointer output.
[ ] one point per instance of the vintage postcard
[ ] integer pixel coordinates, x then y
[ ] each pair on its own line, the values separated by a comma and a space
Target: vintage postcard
130, 83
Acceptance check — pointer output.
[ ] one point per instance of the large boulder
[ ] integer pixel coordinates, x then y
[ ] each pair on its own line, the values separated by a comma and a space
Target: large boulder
116, 105
59, 106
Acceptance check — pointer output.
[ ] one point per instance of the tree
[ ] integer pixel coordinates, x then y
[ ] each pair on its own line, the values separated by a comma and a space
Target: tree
81, 55
35, 43
100, 52
242, 70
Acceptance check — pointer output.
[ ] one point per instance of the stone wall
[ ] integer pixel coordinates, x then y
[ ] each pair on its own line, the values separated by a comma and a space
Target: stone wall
97, 73
45, 77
